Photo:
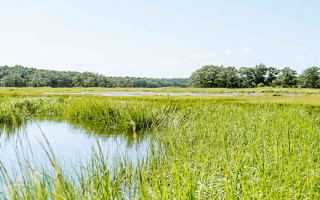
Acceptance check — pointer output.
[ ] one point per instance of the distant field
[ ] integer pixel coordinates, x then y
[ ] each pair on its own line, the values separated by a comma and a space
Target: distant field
40, 91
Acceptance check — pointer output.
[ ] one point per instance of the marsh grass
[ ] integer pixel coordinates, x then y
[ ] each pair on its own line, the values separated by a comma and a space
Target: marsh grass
201, 148
240, 152
112, 114
5, 91
17, 110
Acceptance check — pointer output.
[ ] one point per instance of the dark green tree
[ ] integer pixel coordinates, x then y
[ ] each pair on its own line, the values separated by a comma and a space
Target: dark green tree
229, 77
310, 78
247, 77
272, 74
287, 78
206, 77
260, 72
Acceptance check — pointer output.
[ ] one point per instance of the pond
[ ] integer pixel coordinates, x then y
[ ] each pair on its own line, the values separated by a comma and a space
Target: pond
70, 144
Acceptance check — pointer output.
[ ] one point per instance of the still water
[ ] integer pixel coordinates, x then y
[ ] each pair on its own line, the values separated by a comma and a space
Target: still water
69, 143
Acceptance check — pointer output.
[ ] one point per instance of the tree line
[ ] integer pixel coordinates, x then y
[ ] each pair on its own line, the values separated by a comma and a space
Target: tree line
19, 76
210, 76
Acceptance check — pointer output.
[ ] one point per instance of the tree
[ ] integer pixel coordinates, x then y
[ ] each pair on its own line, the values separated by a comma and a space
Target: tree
247, 77
260, 72
206, 77
13, 80
272, 74
229, 77
287, 77
310, 78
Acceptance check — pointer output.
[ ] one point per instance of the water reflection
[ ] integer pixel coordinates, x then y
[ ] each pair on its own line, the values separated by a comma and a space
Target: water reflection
70, 143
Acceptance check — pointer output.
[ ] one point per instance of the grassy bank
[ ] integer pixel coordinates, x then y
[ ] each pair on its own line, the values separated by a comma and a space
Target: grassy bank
239, 151
267, 90
202, 148
118, 112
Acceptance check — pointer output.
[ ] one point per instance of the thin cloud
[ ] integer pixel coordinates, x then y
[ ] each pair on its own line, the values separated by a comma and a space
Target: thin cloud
210, 54
98, 52
212, 63
228, 51
177, 67
204, 55
195, 56
171, 55
125, 66
170, 63
50, 57
299, 58
247, 49
42, 53
45, 55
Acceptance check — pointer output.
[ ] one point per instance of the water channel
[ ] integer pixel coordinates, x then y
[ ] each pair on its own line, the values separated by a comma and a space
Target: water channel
70, 144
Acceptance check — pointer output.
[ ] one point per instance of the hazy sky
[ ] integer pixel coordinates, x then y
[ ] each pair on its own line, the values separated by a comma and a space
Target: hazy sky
167, 38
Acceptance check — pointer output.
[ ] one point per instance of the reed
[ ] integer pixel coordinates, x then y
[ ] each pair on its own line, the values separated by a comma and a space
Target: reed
200, 148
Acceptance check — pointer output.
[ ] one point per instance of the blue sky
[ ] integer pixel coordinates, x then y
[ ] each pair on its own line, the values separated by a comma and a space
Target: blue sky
168, 38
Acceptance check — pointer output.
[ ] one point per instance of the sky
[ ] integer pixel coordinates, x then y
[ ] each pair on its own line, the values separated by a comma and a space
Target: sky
160, 39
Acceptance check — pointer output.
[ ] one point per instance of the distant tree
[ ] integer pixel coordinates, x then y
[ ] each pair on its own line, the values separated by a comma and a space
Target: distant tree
19, 76
229, 77
13, 80
141, 83
272, 74
310, 78
102, 81
287, 77
77, 80
260, 72
247, 77
206, 77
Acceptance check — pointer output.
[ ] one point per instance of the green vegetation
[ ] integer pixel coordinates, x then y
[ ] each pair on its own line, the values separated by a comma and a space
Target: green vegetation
210, 76
47, 91
201, 148
19, 76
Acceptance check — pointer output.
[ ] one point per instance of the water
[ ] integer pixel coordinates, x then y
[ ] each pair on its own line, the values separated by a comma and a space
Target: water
230, 94
70, 144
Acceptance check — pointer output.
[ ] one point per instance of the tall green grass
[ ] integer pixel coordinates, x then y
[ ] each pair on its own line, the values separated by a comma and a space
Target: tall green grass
108, 113
200, 149
119, 114
17, 110
238, 151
